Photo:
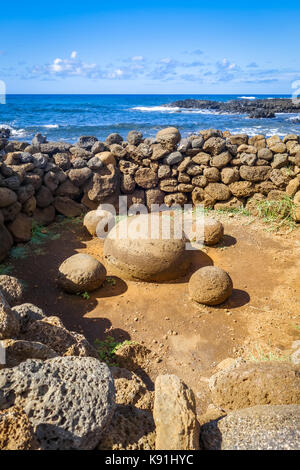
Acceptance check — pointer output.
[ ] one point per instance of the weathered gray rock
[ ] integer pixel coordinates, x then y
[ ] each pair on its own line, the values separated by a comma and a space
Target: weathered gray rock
28, 313
262, 427
134, 137
17, 351
51, 332
173, 158
68, 400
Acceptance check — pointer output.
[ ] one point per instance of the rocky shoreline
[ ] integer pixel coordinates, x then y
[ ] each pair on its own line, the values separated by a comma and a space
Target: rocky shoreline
41, 179
258, 108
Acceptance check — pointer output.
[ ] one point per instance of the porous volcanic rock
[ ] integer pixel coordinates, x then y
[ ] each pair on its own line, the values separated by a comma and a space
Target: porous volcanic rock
27, 314
51, 332
261, 427
168, 137
210, 285
138, 248
12, 289
92, 219
255, 383
81, 273
130, 429
175, 415
17, 351
16, 432
9, 322
131, 389
69, 400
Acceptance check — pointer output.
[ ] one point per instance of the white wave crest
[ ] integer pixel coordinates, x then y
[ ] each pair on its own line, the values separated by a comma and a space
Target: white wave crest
247, 97
50, 126
14, 132
156, 108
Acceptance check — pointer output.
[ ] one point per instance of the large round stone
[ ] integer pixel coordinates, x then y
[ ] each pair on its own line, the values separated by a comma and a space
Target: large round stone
148, 247
210, 285
81, 273
92, 219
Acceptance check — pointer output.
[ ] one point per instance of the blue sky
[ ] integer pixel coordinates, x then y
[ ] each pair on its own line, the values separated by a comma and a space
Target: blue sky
150, 47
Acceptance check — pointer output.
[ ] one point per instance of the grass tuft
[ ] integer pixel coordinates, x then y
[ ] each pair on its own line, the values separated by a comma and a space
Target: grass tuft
259, 355
107, 349
278, 213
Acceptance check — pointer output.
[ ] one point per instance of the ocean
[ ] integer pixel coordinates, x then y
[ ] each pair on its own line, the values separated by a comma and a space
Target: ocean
66, 117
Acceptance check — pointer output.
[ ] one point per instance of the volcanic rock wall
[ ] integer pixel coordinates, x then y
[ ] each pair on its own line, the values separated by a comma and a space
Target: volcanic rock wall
214, 168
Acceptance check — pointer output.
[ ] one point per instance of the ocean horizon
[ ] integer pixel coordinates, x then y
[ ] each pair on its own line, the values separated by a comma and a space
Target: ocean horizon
68, 116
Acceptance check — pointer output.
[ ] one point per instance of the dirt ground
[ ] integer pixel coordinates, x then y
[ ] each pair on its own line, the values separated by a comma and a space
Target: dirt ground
262, 316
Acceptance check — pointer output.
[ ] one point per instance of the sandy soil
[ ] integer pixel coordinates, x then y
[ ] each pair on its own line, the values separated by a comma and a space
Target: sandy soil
187, 339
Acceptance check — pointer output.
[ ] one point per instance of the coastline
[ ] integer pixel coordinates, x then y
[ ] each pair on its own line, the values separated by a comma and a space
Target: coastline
213, 168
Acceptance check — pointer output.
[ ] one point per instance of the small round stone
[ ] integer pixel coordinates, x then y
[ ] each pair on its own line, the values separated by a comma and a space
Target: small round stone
210, 285
81, 273
92, 219
208, 231
213, 231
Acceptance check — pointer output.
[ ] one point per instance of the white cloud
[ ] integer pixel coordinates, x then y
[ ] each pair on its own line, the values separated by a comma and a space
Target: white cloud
74, 55
137, 58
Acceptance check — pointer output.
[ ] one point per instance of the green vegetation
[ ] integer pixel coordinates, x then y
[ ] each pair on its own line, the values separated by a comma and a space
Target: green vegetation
278, 213
84, 295
260, 355
107, 349
110, 280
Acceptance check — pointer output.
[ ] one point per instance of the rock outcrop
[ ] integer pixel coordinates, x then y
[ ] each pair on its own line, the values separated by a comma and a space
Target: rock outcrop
69, 401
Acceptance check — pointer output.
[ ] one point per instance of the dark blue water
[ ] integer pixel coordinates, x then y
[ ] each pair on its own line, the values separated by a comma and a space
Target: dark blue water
66, 117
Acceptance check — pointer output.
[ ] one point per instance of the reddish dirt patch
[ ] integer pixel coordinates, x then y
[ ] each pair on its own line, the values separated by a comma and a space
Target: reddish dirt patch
186, 339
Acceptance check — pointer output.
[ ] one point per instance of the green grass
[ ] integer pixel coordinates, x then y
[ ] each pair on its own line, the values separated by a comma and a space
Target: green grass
110, 280
107, 349
84, 295
278, 213
259, 355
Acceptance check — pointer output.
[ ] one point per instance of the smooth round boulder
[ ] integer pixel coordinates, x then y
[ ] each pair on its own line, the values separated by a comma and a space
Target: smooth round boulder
12, 289
81, 273
210, 285
147, 247
92, 219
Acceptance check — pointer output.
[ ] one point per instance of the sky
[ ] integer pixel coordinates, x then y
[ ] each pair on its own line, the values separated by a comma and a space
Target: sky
184, 47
